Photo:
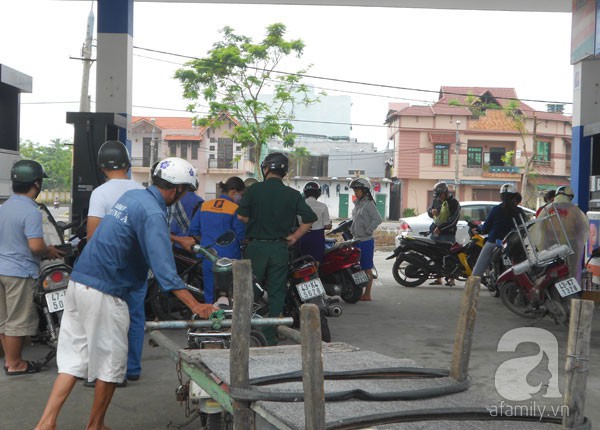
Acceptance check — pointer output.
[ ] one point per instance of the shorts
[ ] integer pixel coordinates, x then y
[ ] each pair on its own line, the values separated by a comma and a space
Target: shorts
367, 248
92, 342
18, 314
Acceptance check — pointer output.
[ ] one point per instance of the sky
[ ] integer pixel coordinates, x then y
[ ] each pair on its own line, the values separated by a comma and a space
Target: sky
387, 48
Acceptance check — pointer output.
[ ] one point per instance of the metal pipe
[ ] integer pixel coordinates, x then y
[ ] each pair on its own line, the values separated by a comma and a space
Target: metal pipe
173, 325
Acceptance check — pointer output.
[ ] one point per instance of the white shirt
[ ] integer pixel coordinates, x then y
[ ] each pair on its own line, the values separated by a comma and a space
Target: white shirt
106, 195
322, 212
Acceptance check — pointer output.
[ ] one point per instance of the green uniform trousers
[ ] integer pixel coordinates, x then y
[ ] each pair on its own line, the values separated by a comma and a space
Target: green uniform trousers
270, 266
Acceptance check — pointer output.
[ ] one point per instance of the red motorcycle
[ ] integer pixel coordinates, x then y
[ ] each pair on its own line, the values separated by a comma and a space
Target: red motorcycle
340, 269
545, 282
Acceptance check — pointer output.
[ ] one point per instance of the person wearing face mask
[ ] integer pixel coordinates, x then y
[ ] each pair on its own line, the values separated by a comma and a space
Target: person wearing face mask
214, 218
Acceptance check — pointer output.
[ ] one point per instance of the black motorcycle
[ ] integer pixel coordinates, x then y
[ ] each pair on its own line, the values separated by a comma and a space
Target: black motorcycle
53, 281
509, 252
421, 258
304, 286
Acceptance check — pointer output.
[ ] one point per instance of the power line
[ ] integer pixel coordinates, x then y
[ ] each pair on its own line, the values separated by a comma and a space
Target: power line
347, 81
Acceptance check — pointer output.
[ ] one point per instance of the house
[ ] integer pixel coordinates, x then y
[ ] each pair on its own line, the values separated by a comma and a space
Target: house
210, 150
476, 139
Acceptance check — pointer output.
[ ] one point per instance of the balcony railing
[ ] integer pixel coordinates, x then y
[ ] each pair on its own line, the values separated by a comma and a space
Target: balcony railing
504, 169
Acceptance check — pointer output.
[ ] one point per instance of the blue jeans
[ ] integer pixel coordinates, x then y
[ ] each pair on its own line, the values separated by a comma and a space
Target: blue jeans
135, 336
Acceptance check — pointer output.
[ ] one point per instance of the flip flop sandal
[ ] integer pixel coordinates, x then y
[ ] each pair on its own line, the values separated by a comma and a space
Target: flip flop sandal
31, 368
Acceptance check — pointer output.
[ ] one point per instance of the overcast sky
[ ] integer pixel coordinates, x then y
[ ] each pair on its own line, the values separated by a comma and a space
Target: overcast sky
411, 48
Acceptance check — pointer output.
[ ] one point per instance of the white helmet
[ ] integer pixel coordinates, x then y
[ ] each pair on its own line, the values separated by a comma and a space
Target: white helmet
565, 190
176, 171
508, 189
361, 183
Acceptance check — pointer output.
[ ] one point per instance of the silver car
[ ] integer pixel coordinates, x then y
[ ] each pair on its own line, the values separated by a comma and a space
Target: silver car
469, 211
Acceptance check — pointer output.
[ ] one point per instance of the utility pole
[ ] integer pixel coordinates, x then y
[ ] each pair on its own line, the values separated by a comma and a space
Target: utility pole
152, 145
456, 180
86, 53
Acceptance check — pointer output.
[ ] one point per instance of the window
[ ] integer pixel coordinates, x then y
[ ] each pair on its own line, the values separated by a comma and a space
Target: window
441, 155
194, 153
225, 153
474, 157
172, 149
211, 148
184, 147
238, 148
542, 152
213, 140
496, 156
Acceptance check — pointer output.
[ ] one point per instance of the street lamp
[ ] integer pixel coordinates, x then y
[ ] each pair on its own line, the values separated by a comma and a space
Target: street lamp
456, 180
152, 143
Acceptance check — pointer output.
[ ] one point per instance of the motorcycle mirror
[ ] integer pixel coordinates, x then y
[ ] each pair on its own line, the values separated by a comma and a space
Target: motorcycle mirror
226, 238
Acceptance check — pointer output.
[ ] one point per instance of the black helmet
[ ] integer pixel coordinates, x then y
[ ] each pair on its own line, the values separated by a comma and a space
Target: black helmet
113, 155
439, 188
312, 189
276, 162
27, 171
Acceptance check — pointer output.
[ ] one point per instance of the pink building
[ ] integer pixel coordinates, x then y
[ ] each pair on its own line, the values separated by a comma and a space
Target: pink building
470, 139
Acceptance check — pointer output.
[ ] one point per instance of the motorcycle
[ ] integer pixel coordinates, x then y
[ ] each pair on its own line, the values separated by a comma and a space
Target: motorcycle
164, 306
508, 252
340, 270
420, 258
304, 286
53, 281
544, 283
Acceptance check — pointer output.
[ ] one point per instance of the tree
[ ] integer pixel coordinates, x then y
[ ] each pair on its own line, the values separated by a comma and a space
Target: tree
232, 77
56, 159
300, 154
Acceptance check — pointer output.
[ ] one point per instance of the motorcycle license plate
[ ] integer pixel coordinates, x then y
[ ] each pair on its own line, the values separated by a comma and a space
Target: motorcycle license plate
310, 289
360, 277
567, 287
56, 300
506, 261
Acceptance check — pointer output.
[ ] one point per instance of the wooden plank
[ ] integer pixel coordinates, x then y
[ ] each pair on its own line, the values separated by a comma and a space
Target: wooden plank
464, 330
289, 333
577, 363
312, 367
243, 417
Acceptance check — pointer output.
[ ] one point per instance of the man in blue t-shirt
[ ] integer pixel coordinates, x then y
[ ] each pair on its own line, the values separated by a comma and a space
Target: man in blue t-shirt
132, 238
21, 248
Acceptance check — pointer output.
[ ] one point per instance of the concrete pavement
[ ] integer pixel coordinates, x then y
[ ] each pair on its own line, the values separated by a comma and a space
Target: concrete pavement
415, 323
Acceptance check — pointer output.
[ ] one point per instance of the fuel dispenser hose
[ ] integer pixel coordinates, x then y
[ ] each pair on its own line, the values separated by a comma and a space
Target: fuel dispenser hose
256, 393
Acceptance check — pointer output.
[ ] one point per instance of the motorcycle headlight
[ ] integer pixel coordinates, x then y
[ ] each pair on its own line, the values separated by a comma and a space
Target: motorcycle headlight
55, 280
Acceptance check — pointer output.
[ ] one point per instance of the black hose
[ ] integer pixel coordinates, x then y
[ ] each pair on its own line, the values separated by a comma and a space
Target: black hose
376, 373
446, 414
256, 394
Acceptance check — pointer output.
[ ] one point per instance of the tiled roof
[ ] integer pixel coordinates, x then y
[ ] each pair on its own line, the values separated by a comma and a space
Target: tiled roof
416, 111
182, 137
442, 137
166, 122
451, 110
496, 120
502, 95
552, 180
550, 116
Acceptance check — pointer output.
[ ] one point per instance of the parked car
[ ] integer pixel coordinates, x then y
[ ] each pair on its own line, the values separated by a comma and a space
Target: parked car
476, 211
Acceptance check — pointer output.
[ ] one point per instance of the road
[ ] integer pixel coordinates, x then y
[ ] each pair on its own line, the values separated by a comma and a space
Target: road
416, 323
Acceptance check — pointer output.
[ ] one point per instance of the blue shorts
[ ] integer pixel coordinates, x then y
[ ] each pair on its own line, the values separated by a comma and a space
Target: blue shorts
367, 248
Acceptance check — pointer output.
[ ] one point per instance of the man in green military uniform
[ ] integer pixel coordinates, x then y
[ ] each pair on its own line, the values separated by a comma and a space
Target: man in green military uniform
270, 210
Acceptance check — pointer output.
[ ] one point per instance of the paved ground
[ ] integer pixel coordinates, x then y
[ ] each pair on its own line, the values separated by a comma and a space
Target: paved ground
416, 323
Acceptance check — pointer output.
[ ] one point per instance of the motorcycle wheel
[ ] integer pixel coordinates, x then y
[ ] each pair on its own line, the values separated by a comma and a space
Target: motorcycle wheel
257, 339
514, 299
407, 267
353, 293
489, 280
166, 306
561, 307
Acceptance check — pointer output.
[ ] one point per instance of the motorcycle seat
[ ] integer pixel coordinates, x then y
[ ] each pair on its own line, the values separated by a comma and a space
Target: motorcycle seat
434, 242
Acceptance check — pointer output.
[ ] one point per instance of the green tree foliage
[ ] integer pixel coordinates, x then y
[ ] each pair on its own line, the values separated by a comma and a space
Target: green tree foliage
235, 73
56, 159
